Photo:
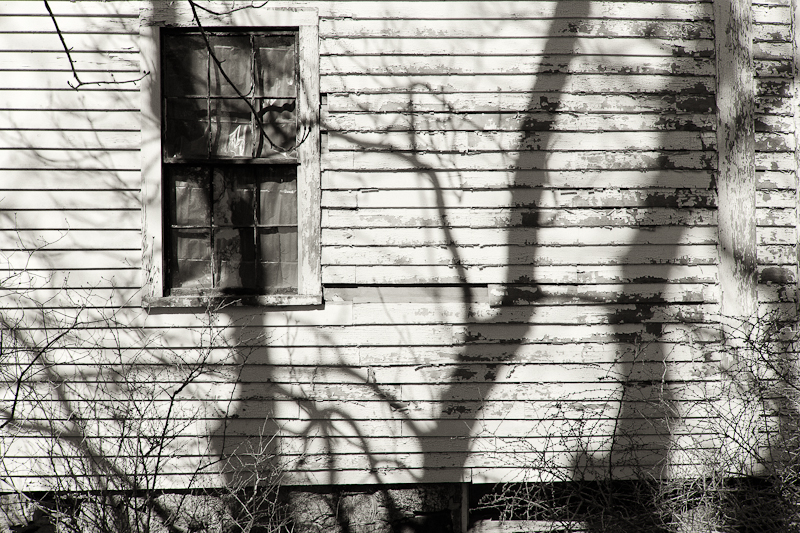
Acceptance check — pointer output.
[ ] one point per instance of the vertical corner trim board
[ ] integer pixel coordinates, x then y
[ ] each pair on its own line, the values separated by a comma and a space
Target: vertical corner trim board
733, 22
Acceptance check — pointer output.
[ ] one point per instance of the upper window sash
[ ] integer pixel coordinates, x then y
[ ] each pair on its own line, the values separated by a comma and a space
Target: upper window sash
305, 21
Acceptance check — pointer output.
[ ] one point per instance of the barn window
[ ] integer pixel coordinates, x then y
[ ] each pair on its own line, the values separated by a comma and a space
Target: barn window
238, 166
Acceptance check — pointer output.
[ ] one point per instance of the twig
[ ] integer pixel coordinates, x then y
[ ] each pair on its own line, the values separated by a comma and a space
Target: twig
72, 63
41, 352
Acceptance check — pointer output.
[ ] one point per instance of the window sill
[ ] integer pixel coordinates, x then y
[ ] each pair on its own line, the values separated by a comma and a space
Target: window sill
261, 300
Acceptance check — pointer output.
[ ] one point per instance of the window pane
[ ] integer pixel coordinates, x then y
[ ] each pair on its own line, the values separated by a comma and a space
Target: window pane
278, 257
186, 131
190, 195
185, 65
279, 118
276, 66
231, 130
278, 198
234, 196
191, 265
234, 53
234, 258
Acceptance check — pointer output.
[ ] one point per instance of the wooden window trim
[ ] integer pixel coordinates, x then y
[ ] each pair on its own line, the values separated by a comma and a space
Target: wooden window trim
306, 22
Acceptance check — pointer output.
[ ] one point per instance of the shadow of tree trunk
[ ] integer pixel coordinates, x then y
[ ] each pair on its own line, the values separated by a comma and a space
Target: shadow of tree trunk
465, 392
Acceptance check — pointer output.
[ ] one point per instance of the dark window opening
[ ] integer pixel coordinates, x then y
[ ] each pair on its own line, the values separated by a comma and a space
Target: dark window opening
229, 162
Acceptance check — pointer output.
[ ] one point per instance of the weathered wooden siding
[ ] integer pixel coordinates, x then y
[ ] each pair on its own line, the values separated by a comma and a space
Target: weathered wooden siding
775, 147
519, 236
561, 153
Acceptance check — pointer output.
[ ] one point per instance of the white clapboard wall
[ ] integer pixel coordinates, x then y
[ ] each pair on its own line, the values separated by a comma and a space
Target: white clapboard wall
519, 245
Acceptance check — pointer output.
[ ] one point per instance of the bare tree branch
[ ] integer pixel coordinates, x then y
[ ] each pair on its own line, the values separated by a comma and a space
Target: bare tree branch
80, 83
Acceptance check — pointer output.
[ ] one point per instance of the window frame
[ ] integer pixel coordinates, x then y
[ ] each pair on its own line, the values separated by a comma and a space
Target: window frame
306, 22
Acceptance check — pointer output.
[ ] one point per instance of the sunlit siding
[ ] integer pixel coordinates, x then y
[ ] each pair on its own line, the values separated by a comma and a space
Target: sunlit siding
552, 161
70, 159
519, 238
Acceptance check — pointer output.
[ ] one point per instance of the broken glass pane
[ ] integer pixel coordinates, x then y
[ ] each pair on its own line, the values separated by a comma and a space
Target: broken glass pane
231, 129
234, 258
279, 118
192, 259
276, 66
185, 65
234, 53
278, 201
186, 132
190, 196
234, 196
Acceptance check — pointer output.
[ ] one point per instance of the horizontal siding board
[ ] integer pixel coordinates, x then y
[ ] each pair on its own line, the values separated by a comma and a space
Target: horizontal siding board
773, 67
510, 28
449, 274
83, 276
662, 235
78, 239
530, 46
82, 61
775, 217
48, 80
516, 255
578, 83
461, 141
484, 65
250, 377
576, 160
46, 40
75, 9
120, 98
774, 123
497, 102
515, 10
777, 254
771, 50
65, 220
776, 199
333, 180
80, 23
781, 161
47, 259
775, 180
413, 402
67, 139
79, 120
772, 235
458, 313
514, 121
772, 33
441, 356
84, 180
771, 14
59, 159
70, 199
529, 198
523, 218
492, 83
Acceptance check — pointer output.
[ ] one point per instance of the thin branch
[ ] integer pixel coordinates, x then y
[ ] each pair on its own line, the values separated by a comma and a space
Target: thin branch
72, 62
21, 377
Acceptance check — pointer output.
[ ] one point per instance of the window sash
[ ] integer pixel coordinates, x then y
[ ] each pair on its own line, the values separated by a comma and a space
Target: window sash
204, 116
